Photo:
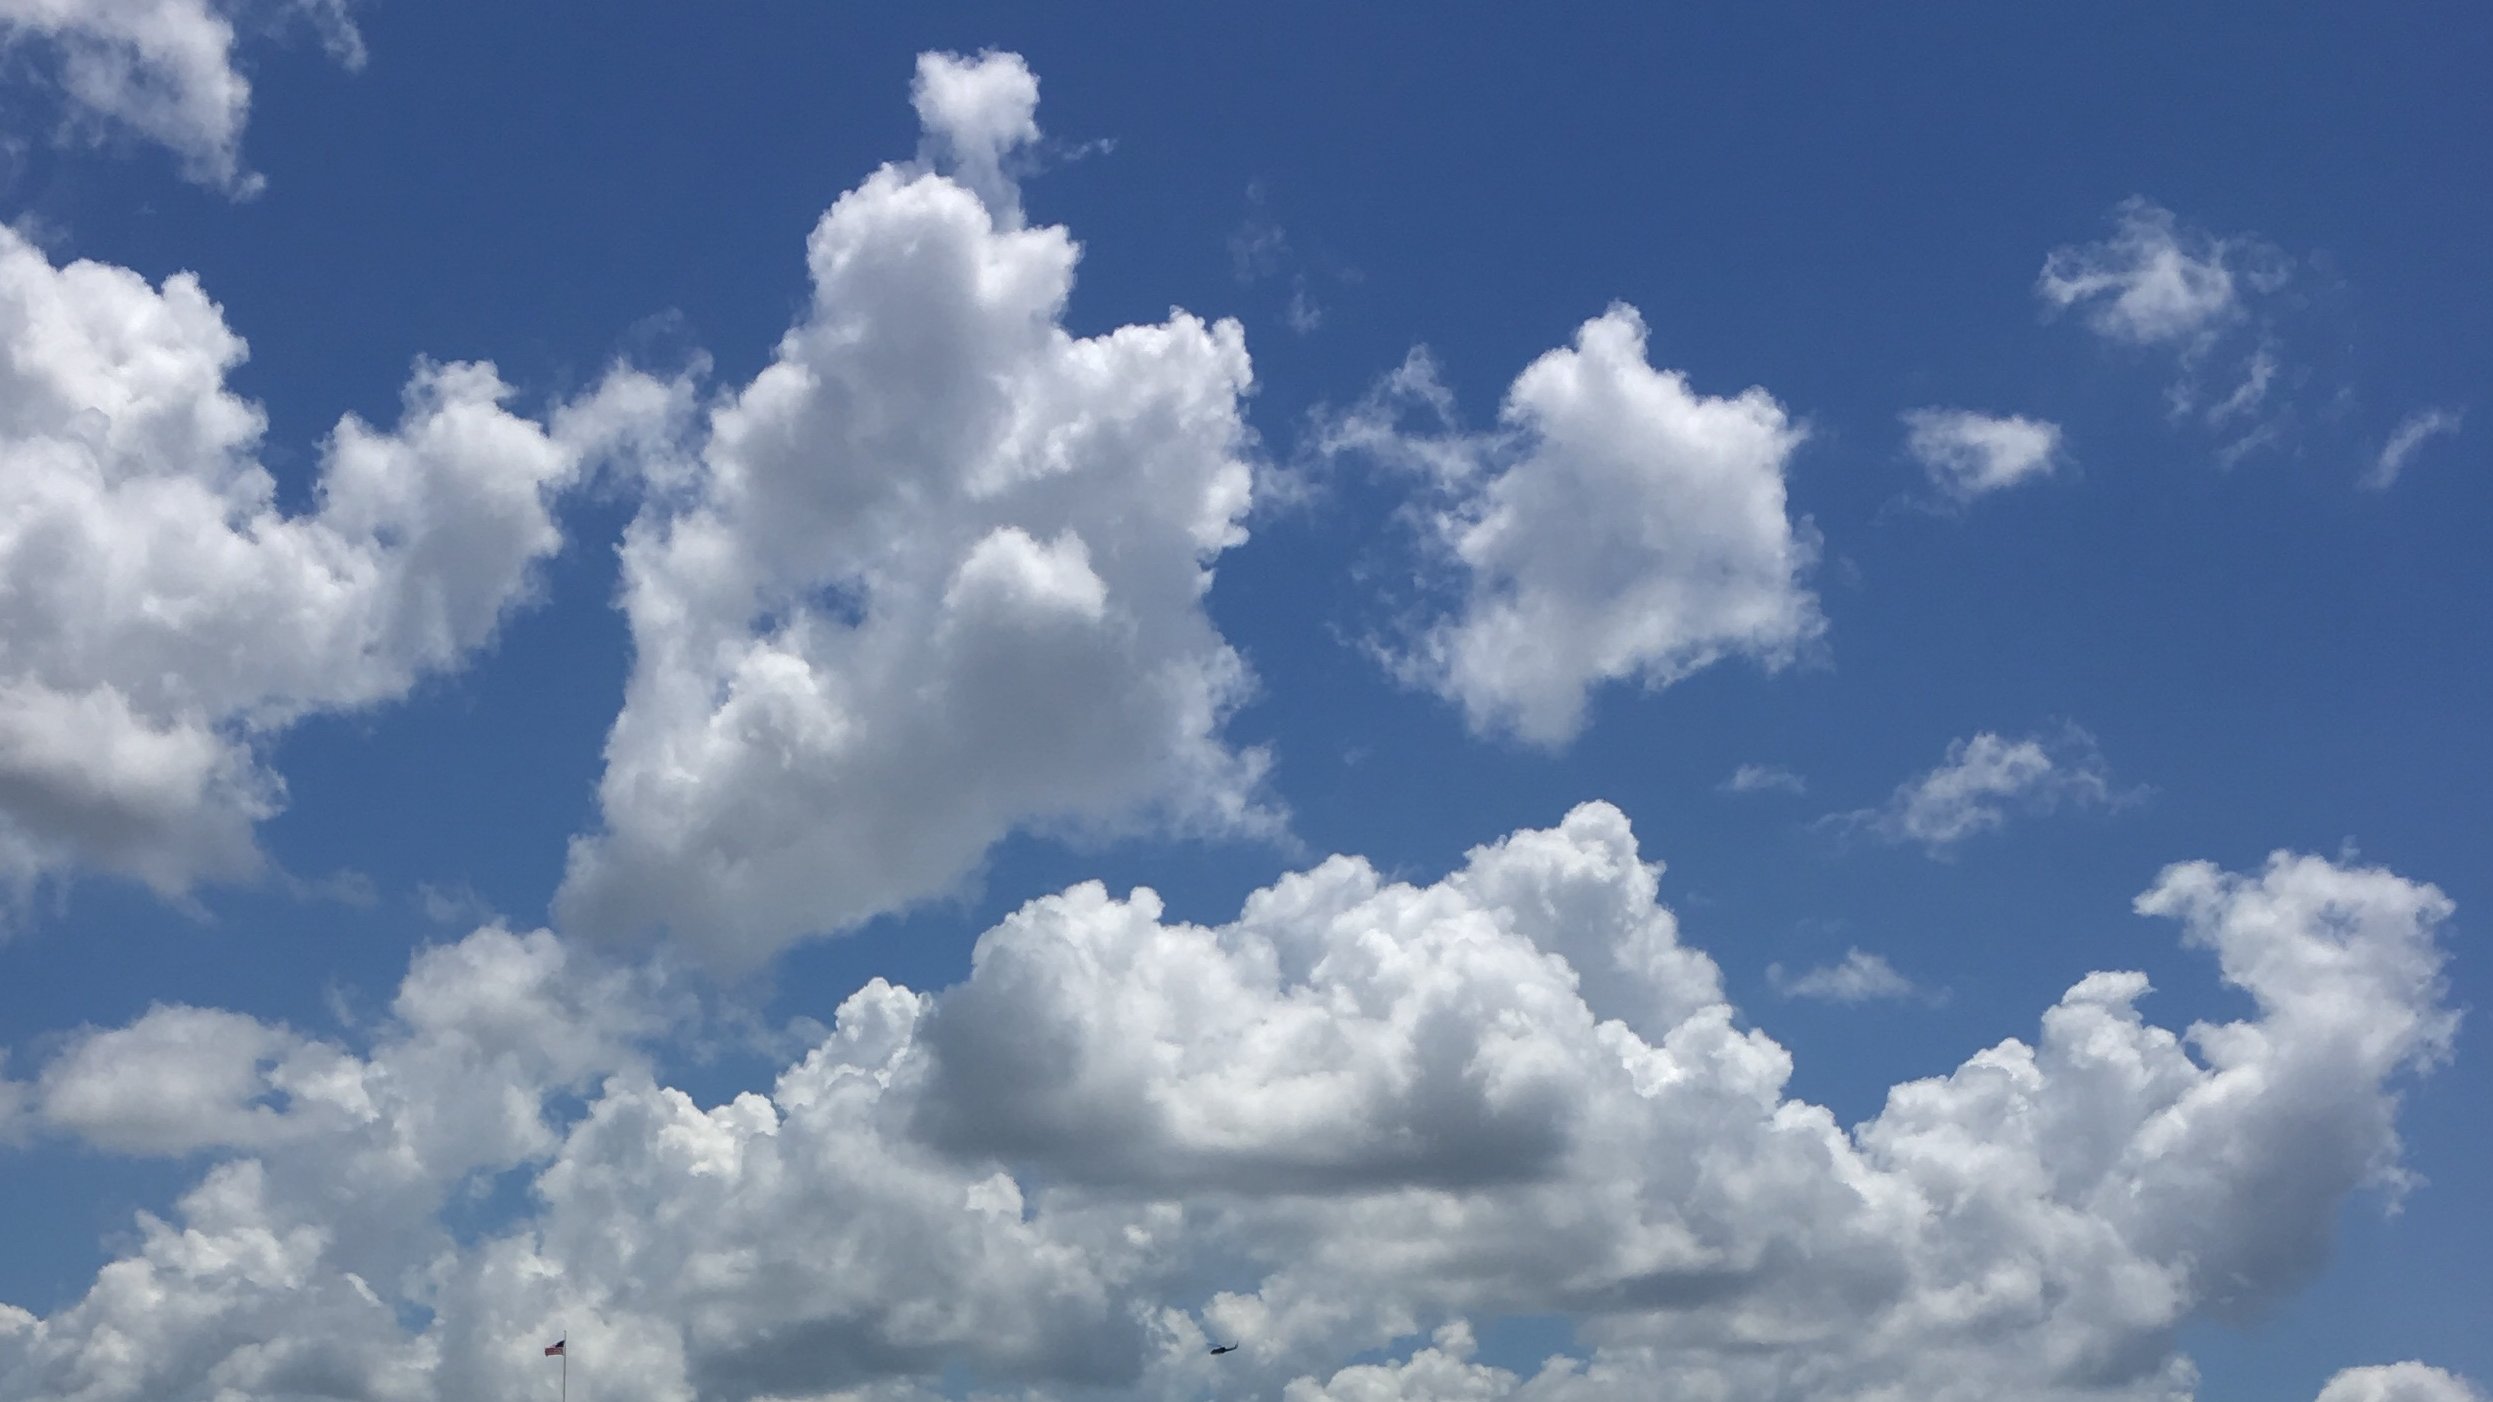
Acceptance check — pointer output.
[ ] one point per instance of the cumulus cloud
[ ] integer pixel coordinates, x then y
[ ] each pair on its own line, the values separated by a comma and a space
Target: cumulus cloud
1968, 455
1764, 778
163, 617
1371, 1110
2399, 1382
178, 1079
977, 114
934, 576
1984, 780
1859, 977
1619, 525
2412, 433
164, 70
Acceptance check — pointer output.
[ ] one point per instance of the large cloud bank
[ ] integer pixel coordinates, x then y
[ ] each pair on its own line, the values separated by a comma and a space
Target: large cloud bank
1363, 1112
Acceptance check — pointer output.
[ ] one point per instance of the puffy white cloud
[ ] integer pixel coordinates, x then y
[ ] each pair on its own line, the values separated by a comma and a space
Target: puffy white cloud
161, 615
1620, 526
178, 1079
935, 575
1764, 778
1372, 1110
2399, 1382
1859, 977
1983, 781
1346, 1031
164, 70
1969, 454
286, 1273
2412, 433
977, 113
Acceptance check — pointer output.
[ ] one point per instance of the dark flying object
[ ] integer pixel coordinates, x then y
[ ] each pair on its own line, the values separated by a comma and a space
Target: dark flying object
1224, 1348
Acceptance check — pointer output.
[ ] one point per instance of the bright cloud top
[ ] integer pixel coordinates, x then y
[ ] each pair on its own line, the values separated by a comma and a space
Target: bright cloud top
1621, 526
1983, 781
161, 616
1379, 1109
1968, 454
977, 113
935, 575
163, 70
2399, 1382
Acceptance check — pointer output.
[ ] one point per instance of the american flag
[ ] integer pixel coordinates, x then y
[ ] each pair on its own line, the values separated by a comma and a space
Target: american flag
556, 1347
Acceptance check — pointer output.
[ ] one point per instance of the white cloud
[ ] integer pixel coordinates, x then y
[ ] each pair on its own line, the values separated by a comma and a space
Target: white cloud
164, 617
1371, 1110
178, 1079
1983, 781
1621, 526
1859, 977
2412, 433
1345, 1031
939, 577
14, 1120
2155, 282
2158, 283
977, 114
1969, 454
164, 70
2399, 1382
1764, 778
934, 576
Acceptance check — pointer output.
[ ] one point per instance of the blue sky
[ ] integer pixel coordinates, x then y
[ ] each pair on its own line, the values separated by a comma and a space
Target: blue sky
821, 488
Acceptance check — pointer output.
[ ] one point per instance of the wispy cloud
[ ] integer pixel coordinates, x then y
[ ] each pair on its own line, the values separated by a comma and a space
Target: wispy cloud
1859, 977
1260, 250
2414, 432
1764, 778
1984, 780
2158, 283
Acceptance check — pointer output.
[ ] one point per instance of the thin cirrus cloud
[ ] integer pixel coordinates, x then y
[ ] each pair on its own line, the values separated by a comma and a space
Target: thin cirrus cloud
131, 734
1764, 778
934, 576
1618, 526
164, 71
2411, 434
2158, 283
1967, 454
1859, 977
1983, 781
1402, 1134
